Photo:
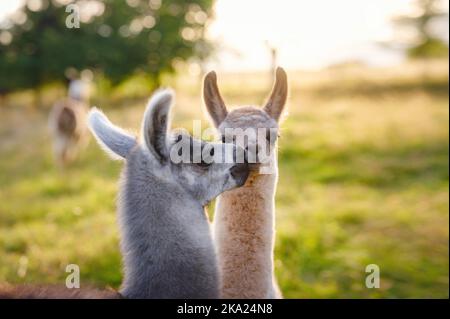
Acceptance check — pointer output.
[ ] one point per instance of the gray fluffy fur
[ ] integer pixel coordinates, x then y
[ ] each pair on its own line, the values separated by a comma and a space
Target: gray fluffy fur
165, 234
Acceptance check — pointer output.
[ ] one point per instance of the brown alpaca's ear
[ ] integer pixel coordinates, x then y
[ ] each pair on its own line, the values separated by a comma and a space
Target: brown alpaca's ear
213, 101
277, 100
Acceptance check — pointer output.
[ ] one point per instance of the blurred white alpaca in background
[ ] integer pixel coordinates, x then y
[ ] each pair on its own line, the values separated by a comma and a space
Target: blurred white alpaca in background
67, 121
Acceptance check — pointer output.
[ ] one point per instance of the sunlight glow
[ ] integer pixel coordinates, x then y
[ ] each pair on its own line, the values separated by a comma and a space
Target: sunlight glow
307, 34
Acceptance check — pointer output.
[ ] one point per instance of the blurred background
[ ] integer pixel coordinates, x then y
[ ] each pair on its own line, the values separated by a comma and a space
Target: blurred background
364, 171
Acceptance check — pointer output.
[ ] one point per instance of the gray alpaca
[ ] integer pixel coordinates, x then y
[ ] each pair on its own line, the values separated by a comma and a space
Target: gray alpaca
166, 241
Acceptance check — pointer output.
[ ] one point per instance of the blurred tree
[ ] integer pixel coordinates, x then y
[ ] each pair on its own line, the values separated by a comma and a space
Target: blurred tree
115, 37
422, 29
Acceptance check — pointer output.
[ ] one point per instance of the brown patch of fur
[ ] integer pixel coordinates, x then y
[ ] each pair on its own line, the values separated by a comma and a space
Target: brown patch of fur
248, 232
67, 121
68, 126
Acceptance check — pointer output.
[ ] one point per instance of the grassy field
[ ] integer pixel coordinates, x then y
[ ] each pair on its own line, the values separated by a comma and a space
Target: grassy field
364, 179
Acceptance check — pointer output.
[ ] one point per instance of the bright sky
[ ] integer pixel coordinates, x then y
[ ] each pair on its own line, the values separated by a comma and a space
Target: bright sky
8, 6
308, 34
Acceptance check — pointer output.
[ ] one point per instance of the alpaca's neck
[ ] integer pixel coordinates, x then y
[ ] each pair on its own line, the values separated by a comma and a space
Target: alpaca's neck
165, 239
244, 231
138, 217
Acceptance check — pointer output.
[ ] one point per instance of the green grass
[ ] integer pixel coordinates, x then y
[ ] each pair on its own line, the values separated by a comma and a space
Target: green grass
364, 179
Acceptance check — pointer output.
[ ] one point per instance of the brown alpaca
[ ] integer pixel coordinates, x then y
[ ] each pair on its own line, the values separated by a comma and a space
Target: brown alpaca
245, 217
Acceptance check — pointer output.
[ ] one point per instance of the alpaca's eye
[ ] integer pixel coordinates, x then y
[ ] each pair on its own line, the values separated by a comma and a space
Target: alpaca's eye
211, 152
223, 138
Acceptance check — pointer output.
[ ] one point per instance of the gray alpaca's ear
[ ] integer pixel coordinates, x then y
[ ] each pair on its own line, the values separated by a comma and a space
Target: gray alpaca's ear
277, 100
213, 101
156, 123
114, 140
